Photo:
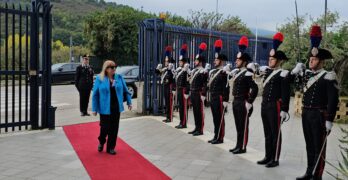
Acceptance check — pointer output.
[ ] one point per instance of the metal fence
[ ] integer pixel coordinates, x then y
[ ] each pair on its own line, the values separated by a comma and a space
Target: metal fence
25, 54
154, 35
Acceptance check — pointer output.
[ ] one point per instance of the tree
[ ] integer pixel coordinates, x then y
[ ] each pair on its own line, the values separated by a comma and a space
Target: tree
177, 20
216, 21
234, 24
205, 20
114, 33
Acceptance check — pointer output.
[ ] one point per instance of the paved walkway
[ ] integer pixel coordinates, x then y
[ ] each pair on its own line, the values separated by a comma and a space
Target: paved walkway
49, 155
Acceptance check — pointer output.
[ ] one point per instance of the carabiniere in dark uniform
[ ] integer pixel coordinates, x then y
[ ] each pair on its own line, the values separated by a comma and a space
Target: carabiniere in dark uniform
244, 91
167, 80
182, 86
219, 93
84, 83
198, 83
320, 100
275, 102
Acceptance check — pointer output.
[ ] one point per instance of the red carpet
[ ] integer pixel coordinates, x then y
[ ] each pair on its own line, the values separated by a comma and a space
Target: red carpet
127, 164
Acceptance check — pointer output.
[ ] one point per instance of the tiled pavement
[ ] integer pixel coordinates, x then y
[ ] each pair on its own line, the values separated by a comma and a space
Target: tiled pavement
49, 155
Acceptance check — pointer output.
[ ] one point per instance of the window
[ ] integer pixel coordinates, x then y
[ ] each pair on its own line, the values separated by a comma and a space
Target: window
66, 67
135, 72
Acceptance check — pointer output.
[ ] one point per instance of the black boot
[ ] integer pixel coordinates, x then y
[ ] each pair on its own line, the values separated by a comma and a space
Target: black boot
180, 126
305, 177
231, 150
217, 141
197, 133
192, 132
272, 164
239, 151
264, 161
211, 140
100, 147
166, 121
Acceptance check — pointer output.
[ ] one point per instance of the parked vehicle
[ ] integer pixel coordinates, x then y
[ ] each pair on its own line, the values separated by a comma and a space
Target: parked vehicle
130, 75
64, 73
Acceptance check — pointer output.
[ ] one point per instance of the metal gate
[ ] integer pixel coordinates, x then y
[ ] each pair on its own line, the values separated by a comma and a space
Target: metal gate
154, 35
25, 64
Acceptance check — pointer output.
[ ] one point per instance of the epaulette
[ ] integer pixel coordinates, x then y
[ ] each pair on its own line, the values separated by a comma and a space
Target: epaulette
284, 73
330, 76
248, 73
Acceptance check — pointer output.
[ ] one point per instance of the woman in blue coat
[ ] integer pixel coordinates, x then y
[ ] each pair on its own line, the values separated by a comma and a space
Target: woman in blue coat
107, 100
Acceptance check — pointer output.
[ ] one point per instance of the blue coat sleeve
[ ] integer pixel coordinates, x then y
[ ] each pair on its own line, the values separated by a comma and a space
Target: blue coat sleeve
125, 89
95, 95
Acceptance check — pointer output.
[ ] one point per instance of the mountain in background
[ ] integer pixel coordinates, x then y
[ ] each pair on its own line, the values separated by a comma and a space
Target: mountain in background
263, 32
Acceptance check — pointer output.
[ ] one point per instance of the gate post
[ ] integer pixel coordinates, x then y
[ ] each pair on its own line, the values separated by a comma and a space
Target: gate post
46, 114
33, 69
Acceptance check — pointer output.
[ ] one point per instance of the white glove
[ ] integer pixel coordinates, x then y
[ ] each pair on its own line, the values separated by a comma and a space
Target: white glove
283, 116
174, 92
186, 67
170, 66
328, 125
225, 104
248, 106
203, 98
207, 66
159, 66
227, 68
252, 66
298, 69
186, 96
263, 70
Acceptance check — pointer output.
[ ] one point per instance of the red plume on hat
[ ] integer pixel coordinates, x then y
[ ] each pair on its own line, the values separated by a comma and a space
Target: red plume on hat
243, 43
277, 40
315, 36
202, 47
168, 52
218, 46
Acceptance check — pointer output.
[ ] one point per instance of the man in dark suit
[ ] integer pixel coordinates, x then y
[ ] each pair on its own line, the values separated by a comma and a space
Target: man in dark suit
84, 83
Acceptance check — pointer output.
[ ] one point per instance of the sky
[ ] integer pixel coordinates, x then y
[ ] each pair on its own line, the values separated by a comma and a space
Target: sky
264, 14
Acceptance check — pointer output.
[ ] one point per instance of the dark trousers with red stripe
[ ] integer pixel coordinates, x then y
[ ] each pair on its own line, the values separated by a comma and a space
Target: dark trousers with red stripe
242, 122
219, 121
198, 108
270, 114
182, 106
168, 100
313, 123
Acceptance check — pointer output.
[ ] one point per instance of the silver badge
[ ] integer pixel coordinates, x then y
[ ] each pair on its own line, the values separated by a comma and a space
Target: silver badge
197, 56
239, 55
181, 57
272, 53
315, 51
216, 55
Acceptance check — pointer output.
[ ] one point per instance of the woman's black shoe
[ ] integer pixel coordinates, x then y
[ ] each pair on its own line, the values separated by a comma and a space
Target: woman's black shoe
111, 151
263, 161
100, 147
272, 164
